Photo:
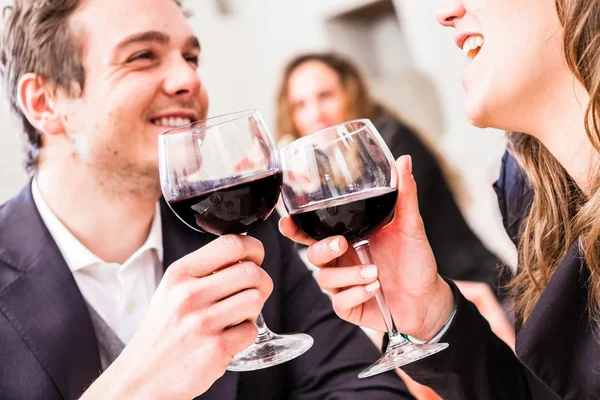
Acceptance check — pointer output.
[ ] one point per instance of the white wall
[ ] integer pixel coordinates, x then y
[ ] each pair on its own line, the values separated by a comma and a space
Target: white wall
242, 54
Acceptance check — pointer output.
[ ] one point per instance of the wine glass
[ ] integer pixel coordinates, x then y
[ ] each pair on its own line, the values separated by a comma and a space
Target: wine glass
341, 181
222, 176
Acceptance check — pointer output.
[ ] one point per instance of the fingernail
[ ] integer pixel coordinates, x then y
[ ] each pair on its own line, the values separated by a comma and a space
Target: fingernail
334, 245
368, 272
409, 164
372, 287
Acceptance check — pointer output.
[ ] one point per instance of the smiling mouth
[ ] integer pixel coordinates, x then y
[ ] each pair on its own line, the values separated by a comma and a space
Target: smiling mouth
171, 122
472, 46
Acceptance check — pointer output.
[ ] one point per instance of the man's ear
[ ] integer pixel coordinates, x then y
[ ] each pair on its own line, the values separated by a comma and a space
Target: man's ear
39, 106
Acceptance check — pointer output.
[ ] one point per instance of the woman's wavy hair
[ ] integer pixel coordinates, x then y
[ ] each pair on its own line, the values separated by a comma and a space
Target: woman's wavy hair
561, 213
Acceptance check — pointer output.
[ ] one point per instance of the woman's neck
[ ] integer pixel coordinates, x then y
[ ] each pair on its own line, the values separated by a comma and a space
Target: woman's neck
560, 126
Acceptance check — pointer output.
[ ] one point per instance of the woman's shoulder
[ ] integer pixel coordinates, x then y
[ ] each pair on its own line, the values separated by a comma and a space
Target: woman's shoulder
515, 195
389, 126
401, 138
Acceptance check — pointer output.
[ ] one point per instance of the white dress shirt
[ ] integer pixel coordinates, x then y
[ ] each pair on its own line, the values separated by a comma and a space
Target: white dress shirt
120, 293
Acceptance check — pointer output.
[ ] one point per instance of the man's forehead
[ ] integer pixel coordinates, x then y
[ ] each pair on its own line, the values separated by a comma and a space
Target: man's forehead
111, 21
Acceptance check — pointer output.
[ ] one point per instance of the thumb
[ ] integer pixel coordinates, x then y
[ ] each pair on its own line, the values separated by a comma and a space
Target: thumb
407, 216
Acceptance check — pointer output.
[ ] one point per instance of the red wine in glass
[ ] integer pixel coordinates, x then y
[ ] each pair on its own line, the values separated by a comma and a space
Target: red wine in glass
354, 216
231, 209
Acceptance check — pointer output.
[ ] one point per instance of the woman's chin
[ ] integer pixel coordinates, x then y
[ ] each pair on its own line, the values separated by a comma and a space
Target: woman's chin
476, 115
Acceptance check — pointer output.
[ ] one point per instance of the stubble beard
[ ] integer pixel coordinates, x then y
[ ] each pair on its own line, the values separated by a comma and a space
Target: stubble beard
117, 176
123, 179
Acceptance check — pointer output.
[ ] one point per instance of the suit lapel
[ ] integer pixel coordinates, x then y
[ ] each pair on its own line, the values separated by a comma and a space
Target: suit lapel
178, 241
42, 301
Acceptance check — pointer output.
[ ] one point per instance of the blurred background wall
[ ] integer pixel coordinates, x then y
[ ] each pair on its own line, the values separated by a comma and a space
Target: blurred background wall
412, 63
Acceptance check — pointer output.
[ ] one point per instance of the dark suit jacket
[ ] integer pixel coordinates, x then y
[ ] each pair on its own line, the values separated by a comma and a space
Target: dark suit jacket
558, 353
459, 252
48, 348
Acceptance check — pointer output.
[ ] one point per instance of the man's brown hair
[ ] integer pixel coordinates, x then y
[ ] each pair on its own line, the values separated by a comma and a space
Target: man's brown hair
37, 39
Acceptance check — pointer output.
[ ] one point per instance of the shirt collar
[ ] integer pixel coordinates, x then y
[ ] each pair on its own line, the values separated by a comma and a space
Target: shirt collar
76, 255
155, 237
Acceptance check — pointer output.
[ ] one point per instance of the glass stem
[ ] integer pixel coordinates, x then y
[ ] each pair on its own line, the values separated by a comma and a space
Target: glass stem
264, 333
395, 338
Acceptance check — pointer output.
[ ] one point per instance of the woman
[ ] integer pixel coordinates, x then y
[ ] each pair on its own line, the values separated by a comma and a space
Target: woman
324, 89
535, 70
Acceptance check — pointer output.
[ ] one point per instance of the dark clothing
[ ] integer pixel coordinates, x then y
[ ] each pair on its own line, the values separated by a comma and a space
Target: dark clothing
515, 196
459, 252
558, 353
48, 349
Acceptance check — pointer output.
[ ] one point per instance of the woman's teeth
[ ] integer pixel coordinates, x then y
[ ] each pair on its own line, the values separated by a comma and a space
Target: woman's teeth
472, 46
171, 122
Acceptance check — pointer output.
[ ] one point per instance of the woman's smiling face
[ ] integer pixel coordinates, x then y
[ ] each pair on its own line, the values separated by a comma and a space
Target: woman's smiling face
516, 49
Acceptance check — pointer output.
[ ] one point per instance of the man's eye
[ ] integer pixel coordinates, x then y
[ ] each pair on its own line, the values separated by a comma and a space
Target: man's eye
144, 55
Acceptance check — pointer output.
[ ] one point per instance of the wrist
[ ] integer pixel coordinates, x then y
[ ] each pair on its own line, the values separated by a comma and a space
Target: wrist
118, 382
440, 309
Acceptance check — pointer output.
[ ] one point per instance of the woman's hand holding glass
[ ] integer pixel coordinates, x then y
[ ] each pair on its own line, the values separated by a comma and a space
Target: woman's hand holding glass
419, 299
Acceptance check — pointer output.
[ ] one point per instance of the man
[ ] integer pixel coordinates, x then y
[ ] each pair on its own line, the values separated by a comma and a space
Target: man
84, 246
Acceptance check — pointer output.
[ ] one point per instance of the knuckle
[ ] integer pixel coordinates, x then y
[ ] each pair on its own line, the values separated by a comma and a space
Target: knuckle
220, 345
178, 301
176, 271
203, 321
186, 301
335, 303
252, 271
250, 332
234, 245
218, 350
313, 254
261, 251
339, 304
254, 299
270, 285
245, 336
255, 249
321, 277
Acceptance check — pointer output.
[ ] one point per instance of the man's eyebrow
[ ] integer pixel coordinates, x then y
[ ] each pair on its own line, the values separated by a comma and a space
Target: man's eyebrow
150, 36
155, 36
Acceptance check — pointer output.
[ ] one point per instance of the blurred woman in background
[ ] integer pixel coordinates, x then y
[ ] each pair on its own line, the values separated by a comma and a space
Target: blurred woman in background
319, 90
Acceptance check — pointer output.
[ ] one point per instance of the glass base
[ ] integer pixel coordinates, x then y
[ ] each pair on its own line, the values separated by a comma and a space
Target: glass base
273, 351
400, 356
